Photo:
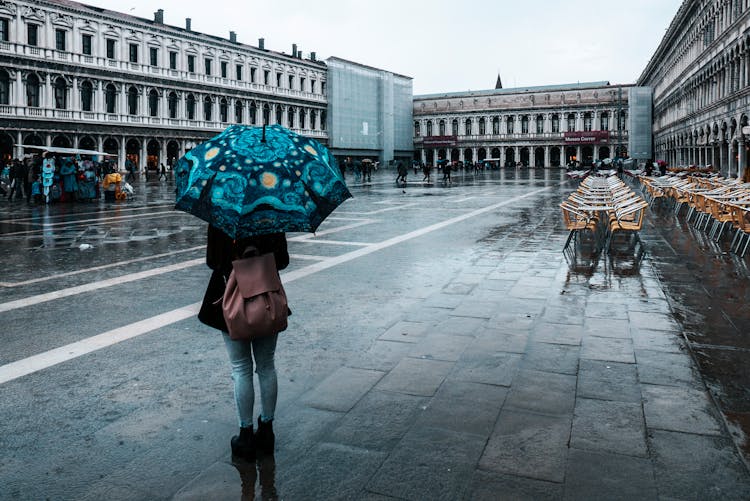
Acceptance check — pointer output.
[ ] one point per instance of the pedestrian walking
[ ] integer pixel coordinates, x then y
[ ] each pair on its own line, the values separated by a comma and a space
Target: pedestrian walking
447, 172
221, 250
402, 172
163, 172
17, 179
426, 172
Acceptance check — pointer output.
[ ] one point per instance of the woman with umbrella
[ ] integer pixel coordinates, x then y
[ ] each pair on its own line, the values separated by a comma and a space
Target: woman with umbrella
253, 185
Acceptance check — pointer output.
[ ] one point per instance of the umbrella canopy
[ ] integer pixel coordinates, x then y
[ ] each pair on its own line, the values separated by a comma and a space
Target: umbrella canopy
366, 161
259, 180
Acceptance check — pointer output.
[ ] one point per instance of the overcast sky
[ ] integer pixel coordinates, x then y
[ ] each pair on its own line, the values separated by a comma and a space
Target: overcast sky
444, 45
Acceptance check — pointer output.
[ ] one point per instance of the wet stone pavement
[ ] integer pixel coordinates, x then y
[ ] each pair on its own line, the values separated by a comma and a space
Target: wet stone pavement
441, 347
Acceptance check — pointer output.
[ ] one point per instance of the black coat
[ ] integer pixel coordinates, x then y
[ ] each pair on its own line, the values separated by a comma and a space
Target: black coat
221, 250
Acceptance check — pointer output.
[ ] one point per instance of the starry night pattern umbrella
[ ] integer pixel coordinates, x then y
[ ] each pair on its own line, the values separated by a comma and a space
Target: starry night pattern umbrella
258, 180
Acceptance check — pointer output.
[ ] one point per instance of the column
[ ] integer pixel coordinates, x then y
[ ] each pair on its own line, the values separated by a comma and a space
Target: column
547, 159
741, 158
579, 156
18, 146
48, 101
75, 98
121, 154
99, 105
142, 157
20, 95
722, 161
517, 153
532, 156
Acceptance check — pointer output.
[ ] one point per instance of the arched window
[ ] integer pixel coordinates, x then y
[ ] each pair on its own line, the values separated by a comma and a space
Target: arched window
555, 123
313, 116
525, 124
571, 122
266, 113
302, 117
110, 98
482, 129
429, 128
323, 120
417, 131
509, 125
540, 124
172, 105
279, 114
604, 121
290, 117
87, 96
496, 125
588, 121
208, 112
32, 91
4, 87
190, 107
469, 132
132, 101
223, 110
441, 128
622, 121
454, 127
239, 112
61, 93
253, 112
153, 103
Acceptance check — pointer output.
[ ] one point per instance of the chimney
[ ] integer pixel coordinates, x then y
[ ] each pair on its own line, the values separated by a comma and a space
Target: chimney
294, 50
233, 37
262, 43
312, 56
299, 53
159, 16
188, 22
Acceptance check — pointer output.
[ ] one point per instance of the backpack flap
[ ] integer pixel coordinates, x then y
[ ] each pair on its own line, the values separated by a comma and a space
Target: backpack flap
256, 275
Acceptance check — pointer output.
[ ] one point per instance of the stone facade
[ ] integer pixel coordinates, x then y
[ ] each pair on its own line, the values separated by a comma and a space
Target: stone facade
700, 74
73, 75
538, 126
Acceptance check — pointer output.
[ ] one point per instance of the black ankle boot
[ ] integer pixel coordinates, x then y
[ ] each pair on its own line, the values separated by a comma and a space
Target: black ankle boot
243, 445
264, 438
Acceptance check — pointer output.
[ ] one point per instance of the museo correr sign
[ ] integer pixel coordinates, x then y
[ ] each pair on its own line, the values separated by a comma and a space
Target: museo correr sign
589, 137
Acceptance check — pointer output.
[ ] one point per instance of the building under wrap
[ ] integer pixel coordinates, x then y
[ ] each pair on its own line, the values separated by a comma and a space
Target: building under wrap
369, 112
640, 102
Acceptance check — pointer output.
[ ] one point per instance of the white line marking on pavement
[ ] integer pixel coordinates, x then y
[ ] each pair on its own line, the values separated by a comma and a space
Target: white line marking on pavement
338, 242
35, 363
312, 236
72, 291
94, 222
29, 365
97, 268
309, 257
101, 212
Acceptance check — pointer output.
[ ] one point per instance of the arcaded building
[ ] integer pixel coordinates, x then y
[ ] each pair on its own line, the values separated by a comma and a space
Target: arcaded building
700, 76
537, 126
73, 75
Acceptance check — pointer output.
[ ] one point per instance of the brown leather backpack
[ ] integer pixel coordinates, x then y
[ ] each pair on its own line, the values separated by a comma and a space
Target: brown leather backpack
254, 302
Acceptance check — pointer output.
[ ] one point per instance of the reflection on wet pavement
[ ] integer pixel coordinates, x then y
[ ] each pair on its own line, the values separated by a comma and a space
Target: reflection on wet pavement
257, 478
708, 289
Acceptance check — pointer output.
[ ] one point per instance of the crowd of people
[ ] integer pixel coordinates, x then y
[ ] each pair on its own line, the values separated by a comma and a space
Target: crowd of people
49, 178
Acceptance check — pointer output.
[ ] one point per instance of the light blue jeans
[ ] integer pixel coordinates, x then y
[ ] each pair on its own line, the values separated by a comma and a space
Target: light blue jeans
241, 355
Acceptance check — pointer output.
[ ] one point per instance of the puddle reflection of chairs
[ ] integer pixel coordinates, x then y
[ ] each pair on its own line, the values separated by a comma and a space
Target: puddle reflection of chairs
258, 478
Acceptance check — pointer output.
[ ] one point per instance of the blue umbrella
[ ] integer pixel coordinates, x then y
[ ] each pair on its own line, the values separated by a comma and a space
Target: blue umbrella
258, 180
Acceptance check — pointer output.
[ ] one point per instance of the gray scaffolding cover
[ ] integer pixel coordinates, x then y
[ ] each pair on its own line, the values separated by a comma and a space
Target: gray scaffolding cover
640, 130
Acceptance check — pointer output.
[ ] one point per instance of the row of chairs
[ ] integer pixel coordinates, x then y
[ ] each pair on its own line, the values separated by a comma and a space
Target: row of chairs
603, 207
714, 204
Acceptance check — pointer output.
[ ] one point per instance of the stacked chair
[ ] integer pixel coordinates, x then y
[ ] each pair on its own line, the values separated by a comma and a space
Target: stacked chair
714, 204
603, 207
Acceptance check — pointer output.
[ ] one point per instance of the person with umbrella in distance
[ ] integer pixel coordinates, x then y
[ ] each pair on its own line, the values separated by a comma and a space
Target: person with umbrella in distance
253, 185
